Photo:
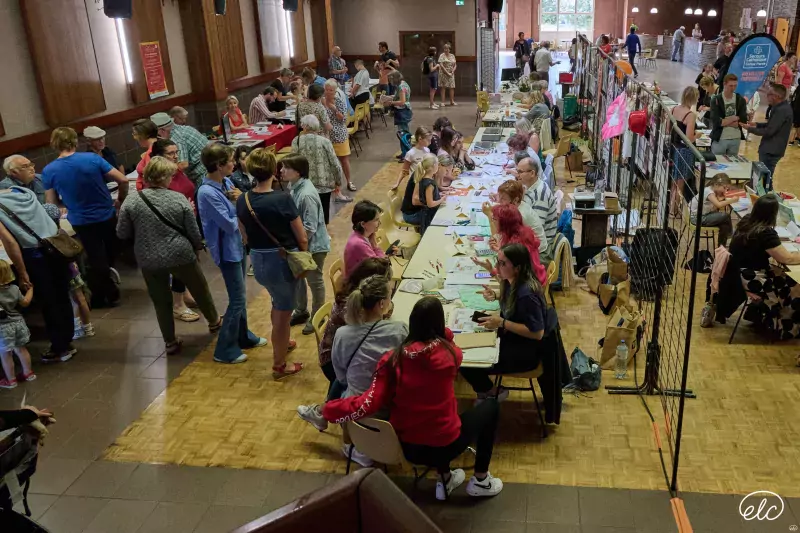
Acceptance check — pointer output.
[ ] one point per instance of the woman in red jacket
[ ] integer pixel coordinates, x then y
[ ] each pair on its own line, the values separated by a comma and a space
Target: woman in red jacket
416, 382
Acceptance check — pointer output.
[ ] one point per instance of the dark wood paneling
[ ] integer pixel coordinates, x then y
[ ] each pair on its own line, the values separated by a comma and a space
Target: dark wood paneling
265, 78
146, 25
2, 129
259, 37
63, 57
229, 25
322, 31
298, 22
41, 138
202, 43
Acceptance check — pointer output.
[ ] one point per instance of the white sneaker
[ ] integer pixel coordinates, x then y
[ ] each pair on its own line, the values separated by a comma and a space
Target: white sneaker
313, 415
490, 486
357, 456
114, 275
457, 477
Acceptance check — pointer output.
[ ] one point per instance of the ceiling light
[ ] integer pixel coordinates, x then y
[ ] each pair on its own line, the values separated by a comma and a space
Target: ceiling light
688, 11
654, 10
635, 9
698, 11
712, 13
761, 13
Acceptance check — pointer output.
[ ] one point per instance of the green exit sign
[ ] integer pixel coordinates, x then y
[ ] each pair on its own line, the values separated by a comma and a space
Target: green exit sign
459, 2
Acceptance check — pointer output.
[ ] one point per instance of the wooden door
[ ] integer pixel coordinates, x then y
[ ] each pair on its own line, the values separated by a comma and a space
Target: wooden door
782, 31
413, 49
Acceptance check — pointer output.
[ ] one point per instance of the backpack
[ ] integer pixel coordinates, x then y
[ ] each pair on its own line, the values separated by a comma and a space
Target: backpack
426, 66
405, 143
586, 372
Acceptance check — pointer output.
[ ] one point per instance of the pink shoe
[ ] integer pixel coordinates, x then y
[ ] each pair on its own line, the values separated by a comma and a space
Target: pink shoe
8, 384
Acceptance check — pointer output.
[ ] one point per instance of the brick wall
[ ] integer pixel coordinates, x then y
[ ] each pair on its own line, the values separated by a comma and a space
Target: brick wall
732, 12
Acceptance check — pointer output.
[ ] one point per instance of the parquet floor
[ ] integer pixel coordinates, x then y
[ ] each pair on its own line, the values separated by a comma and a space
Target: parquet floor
739, 435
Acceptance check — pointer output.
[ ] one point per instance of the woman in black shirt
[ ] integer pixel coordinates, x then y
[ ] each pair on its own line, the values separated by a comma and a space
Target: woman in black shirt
752, 246
422, 198
276, 211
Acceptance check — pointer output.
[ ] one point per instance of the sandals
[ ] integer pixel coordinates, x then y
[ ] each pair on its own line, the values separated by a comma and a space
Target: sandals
213, 328
351, 187
280, 372
185, 315
174, 347
292, 345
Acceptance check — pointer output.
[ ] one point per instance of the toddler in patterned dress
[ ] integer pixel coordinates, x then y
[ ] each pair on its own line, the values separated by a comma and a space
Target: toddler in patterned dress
14, 334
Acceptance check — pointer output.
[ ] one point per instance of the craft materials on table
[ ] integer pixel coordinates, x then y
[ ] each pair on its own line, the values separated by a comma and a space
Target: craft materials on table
473, 298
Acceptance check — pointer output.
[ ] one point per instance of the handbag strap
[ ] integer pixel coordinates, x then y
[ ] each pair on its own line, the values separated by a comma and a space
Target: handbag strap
163, 219
350, 360
13, 216
260, 225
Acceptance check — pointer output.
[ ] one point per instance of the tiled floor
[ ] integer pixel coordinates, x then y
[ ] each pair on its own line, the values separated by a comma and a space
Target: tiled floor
117, 374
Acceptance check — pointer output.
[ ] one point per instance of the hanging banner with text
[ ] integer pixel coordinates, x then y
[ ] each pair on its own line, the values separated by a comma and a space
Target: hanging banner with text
752, 62
153, 69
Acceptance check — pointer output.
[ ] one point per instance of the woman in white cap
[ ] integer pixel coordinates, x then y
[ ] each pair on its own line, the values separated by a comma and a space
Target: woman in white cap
96, 142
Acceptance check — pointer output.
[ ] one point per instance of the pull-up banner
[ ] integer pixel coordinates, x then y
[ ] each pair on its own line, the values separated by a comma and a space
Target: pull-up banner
752, 62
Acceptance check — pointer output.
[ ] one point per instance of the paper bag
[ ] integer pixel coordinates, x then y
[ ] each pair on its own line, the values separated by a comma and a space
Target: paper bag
625, 324
611, 296
617, 266
575, 161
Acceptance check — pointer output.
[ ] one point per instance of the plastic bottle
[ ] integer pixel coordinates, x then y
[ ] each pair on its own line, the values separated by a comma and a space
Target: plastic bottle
621, 368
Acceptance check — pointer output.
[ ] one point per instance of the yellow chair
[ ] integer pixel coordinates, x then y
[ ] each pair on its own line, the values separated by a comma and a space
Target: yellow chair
395, 204
352, 130
483, 105
562, 150
407, 238
378, 106
320, 320
399, 265
336, 273
361, 117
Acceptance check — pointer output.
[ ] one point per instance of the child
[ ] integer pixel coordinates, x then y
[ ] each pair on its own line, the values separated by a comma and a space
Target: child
80, 308
14, 334
422, 139
714, 204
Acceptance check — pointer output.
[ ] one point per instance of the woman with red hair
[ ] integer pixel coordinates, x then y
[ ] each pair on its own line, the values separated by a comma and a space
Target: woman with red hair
511, 229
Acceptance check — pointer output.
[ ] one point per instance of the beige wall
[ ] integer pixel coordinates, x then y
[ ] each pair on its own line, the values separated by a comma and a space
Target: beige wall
360, 24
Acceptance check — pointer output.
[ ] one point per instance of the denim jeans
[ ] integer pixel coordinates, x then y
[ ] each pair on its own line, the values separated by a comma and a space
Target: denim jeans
316, 280
234, 335
272, 271
770, 161
726, 147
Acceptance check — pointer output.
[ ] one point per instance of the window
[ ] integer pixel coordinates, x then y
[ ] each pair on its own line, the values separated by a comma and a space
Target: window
565, 17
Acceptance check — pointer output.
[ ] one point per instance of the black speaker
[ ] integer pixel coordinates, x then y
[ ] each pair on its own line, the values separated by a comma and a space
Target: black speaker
219, 7
118, 9
290, 5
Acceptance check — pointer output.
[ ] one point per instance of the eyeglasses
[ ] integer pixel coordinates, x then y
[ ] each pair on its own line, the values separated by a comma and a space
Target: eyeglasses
26, 166
171, 153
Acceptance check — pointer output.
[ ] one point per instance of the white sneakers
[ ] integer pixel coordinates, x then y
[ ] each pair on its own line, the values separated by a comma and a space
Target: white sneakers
360, 458
313, 415
489, 486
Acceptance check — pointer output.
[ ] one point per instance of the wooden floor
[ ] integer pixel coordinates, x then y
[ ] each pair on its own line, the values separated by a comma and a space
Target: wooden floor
741, 434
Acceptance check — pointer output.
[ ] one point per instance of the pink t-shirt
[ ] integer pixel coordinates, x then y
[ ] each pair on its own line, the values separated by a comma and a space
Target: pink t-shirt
785, 74
356, 250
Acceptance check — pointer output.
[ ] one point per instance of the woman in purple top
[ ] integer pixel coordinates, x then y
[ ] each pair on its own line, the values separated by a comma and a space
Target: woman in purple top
361, 244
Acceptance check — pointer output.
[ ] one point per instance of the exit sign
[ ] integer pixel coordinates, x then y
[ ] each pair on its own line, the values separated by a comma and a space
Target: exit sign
459, 2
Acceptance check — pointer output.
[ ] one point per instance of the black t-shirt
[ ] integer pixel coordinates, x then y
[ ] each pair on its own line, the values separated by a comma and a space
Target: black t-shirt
530, 309
387, 55
427, 65
751, 252
109, 155
277, 105
721, 62
408, 198
423, 187
275, 210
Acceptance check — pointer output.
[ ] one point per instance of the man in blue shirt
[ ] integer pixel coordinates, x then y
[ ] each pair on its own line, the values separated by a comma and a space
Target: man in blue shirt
79, 180
21, 172
634, 46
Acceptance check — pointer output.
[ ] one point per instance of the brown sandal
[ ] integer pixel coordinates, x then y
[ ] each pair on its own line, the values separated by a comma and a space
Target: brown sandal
174, 347
213, 328
280, 372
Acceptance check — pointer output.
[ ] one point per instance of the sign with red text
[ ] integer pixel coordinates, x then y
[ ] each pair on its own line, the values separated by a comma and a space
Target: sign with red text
153, 68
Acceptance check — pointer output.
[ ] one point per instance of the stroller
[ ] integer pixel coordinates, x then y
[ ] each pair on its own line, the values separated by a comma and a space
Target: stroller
405, 144
19, 451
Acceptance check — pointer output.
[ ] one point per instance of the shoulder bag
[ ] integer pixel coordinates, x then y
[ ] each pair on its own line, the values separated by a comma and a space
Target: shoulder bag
338, 388
59, 246
300, 263
164, 220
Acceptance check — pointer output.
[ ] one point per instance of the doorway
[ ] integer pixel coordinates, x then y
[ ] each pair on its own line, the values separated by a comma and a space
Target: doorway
413, 49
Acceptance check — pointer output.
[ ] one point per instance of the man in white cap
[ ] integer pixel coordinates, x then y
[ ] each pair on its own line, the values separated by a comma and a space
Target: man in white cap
190, 145
677, 44
96, 142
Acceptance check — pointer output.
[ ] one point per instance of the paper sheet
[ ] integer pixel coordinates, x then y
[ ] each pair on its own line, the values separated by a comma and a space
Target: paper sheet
471, 297
475, 340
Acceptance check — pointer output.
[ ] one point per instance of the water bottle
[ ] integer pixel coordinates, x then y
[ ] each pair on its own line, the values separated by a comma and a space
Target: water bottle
598, 194
621, 369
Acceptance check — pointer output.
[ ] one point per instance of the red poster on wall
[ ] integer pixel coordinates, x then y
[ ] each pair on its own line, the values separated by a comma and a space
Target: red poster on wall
153, 69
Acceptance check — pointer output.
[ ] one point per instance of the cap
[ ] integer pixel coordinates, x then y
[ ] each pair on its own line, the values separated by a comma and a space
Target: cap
683, 27
93, 132
161, 120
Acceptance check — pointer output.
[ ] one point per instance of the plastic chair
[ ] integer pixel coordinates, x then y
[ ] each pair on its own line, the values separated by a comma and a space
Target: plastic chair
361, 118
530, 376
395, 204
708, 233
352, 129
366, 116
336, 273
320, 320
651, 59
377, 106
407, 239
483, 105
561, 150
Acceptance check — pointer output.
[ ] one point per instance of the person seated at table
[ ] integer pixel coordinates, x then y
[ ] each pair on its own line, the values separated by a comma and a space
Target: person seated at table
753, 244
96, 142
416, 381
420, 206
259, 107
444, 176
714, 207
541, 199
531, 125
521, 142
440, 124
235, 116
531, 99
309, 77
527, 331
359, 90
145, 132
422, 139
508, 228
361, 244
298, 89
708, 71
512, 192
452, 143
240, 178
373, 266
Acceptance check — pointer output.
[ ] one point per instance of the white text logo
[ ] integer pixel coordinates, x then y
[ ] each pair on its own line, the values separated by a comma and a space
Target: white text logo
761, 505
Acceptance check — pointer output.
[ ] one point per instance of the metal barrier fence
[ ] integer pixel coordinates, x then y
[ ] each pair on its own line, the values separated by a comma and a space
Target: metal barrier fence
655, 175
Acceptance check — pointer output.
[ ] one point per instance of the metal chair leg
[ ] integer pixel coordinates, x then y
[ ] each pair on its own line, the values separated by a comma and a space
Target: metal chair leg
538, 410
349, 458
736, 326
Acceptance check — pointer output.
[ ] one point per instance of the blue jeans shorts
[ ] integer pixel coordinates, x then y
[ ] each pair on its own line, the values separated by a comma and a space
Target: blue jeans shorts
272, 271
